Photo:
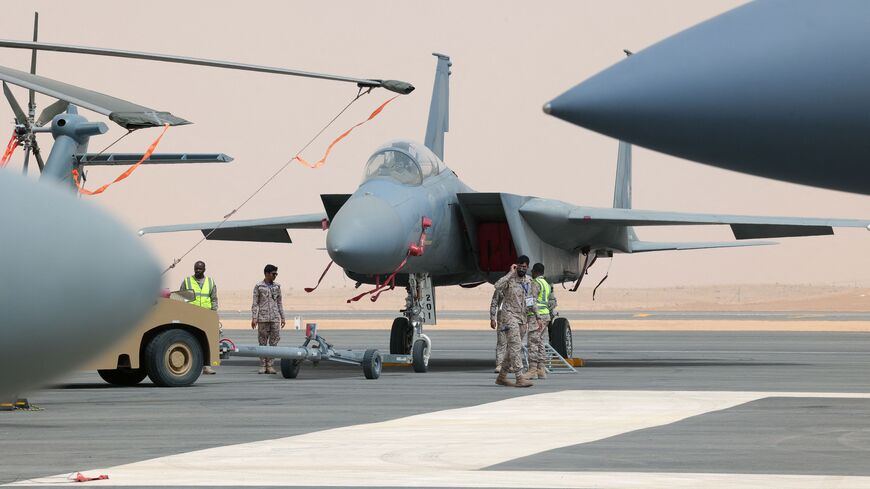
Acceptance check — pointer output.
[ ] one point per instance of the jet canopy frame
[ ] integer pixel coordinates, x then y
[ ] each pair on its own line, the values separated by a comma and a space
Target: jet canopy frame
407, 162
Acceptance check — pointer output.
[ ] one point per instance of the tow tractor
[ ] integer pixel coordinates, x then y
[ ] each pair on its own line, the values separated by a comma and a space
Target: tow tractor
314, 349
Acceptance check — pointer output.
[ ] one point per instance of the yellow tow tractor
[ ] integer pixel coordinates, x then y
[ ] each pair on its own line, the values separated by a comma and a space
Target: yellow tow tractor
170, 346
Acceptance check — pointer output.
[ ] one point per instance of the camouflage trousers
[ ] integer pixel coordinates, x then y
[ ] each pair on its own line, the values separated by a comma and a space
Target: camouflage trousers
537, 339
500, 346
268, 333
512, 361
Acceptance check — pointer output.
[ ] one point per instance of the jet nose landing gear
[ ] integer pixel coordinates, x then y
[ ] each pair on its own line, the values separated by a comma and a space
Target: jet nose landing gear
406, 335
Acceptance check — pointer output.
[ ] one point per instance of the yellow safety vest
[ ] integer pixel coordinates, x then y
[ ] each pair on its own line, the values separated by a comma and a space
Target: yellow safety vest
203, 295
542, 303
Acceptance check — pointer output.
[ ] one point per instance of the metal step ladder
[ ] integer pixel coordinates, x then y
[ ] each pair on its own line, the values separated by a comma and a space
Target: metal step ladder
555, 363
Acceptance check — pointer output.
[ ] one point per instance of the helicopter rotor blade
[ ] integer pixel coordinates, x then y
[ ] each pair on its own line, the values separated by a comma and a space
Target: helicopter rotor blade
49, 112
20, 117
32, 99
397, 86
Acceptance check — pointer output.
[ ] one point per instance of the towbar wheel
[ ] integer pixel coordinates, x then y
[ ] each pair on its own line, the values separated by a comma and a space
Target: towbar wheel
290, 368
372, 364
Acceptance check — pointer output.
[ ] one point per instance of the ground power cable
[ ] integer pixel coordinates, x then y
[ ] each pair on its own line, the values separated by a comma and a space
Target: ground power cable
226, 217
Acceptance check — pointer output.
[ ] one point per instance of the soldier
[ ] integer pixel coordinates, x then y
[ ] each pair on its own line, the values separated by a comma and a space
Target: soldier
205, 294
267, 313
517, 302
495, 311
545, 302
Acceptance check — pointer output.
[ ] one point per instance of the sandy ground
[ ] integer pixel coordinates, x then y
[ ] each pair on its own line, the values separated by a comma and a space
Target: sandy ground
771, 297
617, 325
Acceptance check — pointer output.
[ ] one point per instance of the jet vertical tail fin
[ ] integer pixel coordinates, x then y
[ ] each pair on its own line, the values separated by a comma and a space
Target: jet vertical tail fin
439, 116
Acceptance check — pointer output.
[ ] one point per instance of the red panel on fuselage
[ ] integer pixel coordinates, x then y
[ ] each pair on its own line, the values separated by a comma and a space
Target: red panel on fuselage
496, 247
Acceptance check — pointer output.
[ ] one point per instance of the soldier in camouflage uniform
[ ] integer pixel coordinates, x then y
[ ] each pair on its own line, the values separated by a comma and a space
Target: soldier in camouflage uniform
515, 288
495, 311
267, 314
545, 303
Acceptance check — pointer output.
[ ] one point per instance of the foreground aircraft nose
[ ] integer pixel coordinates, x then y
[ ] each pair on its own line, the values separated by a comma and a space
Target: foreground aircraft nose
367, 236
72, 281
776, 89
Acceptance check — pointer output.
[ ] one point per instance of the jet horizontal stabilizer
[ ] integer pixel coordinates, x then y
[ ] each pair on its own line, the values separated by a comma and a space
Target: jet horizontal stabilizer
109, 159
744, 227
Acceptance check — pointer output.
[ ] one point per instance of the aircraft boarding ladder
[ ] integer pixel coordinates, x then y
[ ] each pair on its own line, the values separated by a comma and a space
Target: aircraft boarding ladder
555, 363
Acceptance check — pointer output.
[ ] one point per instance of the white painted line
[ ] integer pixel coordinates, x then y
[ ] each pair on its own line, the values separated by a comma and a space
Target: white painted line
448, 448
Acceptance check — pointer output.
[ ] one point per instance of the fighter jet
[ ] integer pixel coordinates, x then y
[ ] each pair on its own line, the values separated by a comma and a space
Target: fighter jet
412, 222
73, 281
773, 88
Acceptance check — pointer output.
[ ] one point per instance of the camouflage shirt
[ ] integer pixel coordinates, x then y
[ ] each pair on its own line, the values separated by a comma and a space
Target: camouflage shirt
496, 311
515, 291
267, 305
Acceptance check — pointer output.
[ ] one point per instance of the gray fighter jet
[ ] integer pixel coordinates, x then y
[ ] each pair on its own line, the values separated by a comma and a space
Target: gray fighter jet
774, 88
414, 223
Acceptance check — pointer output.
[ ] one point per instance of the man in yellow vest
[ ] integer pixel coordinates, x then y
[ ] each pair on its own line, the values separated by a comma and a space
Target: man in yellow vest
205, 296
542, 292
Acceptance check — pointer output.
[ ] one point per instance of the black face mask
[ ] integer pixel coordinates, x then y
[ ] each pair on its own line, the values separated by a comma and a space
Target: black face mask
521, 273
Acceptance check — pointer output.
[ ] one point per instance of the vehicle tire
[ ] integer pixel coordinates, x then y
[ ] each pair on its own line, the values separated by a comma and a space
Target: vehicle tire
123, 376
560, 337
173, 358
401, 336
420, 356
372, 364
290, 368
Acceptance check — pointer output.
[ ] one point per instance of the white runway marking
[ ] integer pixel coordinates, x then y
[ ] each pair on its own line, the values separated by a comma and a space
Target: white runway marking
448, 448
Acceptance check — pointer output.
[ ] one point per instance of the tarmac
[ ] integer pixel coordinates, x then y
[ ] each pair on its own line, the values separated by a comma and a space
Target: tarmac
649, 409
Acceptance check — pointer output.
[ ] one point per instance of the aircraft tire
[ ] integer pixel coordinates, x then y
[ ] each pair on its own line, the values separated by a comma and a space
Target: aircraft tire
173, 358
561, 338
290, 368
372, 364
420, 357
401, 335
123, 376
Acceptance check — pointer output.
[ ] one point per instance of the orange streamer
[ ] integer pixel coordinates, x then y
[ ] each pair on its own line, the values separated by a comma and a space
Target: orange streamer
75, 173
322, 161
10, 148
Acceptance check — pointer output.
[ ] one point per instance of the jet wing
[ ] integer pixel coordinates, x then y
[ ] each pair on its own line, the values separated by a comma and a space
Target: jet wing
744, 227
266, 230
127, 114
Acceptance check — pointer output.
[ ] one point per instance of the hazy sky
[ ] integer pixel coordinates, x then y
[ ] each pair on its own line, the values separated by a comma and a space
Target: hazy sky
509, 59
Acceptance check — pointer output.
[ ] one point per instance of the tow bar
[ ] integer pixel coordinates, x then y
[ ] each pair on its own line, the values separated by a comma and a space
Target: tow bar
315, 348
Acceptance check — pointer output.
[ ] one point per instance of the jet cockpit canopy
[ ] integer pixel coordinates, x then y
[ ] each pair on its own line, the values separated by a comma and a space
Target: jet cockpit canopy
408, 162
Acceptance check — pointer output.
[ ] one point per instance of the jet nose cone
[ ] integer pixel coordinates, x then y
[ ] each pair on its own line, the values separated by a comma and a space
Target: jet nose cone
367, 236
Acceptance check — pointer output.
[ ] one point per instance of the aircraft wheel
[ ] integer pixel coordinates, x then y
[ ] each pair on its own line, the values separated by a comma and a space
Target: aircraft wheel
420, 356
561, 338
401, 336
372, 364
290, 368
173, 358
123, 376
